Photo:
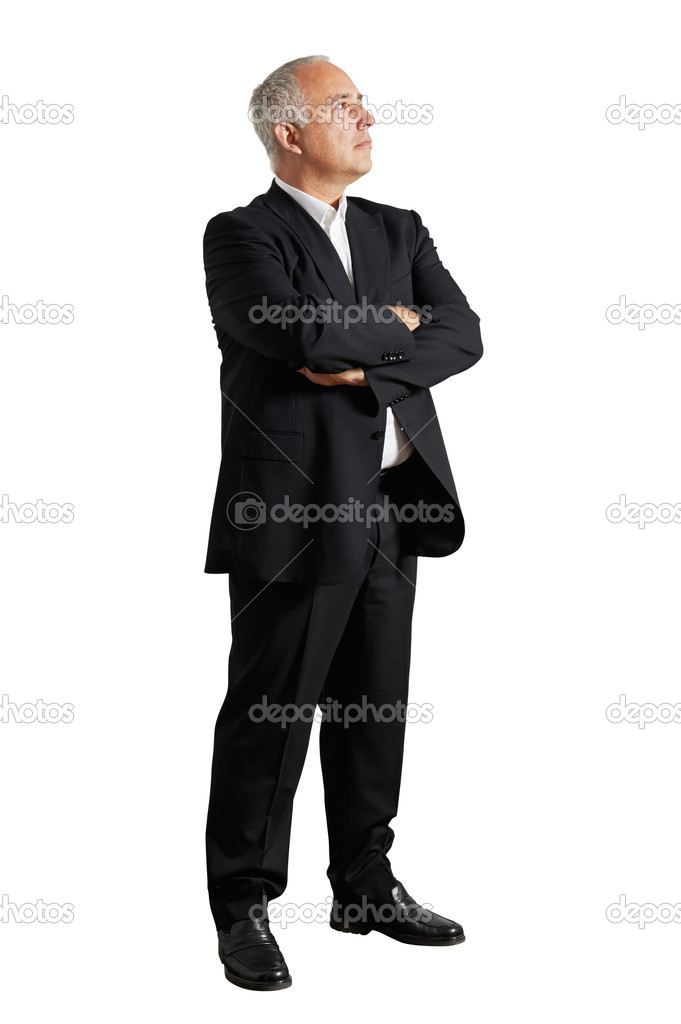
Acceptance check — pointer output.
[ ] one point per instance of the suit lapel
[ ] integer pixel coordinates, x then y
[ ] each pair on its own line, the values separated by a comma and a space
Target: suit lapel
368, 247
369, 252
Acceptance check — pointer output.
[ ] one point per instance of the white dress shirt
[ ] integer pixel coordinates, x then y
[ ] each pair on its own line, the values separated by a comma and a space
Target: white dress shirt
396, 447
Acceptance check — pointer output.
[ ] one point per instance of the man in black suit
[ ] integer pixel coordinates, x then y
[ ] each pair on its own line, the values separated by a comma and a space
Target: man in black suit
334, 479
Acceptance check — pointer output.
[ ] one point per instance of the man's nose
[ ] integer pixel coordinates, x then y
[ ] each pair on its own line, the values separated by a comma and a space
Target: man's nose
365, 117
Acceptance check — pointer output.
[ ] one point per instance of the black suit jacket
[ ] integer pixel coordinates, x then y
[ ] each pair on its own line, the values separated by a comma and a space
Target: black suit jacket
283, 435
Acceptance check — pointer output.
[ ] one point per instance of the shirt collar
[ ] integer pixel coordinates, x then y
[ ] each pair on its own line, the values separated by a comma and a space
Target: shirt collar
317, 208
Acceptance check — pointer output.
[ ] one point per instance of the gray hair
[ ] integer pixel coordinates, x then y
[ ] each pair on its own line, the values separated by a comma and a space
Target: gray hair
279, 98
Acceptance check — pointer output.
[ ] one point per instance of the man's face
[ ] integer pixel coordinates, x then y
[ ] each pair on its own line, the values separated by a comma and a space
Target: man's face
336, 143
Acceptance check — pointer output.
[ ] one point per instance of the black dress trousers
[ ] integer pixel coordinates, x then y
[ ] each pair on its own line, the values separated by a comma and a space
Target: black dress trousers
344, 648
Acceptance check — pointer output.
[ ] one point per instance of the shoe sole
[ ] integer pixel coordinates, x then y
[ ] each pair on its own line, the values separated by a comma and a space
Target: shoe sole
411, 940
259, 986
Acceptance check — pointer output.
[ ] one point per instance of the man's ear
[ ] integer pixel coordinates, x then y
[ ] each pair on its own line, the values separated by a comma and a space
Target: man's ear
287, 136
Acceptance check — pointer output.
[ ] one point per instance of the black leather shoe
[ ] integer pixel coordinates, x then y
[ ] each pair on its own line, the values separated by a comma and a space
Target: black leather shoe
400, 918
252, 957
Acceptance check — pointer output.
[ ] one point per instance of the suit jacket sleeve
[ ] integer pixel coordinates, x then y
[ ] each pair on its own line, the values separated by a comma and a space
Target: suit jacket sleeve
449, 343
245, 273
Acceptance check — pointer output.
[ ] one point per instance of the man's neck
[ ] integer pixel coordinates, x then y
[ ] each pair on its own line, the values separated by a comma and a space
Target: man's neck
328, 192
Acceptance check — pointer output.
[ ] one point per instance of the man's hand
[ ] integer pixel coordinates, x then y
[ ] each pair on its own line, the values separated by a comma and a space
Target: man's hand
355, 377
407, 316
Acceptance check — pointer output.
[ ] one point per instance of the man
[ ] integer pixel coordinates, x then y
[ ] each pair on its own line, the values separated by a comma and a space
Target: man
327, 419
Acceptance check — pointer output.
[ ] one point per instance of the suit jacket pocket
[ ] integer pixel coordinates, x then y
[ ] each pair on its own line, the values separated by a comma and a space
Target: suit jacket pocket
282, 445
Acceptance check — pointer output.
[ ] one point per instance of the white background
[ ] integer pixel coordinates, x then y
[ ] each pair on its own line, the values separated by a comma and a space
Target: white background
525, 813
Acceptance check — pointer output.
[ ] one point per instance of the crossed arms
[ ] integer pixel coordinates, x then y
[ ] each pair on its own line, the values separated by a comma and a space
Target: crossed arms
243, 265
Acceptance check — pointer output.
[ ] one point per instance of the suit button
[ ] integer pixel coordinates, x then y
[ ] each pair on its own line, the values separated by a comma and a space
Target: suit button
378, 434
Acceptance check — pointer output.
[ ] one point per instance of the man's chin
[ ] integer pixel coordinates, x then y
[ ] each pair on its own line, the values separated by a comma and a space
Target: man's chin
363, 165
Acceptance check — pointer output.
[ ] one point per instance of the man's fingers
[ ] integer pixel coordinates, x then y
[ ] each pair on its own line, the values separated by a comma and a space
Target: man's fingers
325, 379
409, 317
355, 377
